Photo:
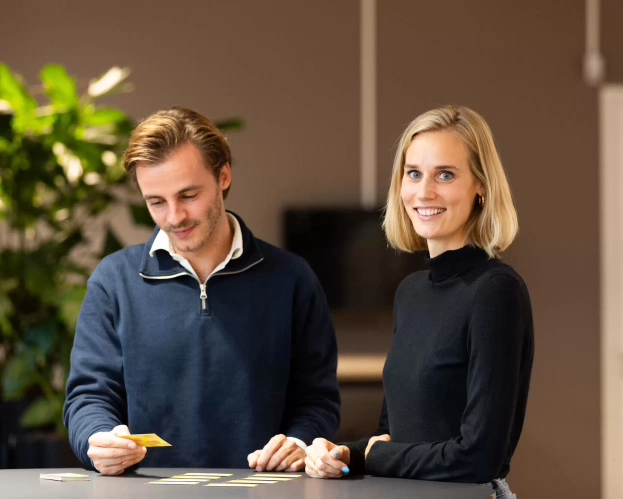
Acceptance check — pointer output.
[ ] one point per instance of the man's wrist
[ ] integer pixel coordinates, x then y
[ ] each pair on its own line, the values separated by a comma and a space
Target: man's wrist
92, 463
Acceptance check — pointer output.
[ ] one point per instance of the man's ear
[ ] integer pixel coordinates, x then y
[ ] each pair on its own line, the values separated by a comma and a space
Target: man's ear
225, 177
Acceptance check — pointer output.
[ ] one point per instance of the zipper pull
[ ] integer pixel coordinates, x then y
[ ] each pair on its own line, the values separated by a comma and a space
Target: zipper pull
203, 296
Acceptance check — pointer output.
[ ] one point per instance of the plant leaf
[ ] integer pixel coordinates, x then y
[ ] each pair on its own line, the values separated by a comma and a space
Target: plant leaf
6, 132
232, 124
19, 375
60, 87
108, 81
42, 412
37, 279
13, 91
6, 310
103, 117
42, 337
70, 305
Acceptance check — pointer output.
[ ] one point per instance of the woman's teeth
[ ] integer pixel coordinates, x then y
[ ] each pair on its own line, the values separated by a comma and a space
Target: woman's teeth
427, 212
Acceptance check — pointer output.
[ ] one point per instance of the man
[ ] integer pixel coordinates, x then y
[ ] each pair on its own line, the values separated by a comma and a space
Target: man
217, 341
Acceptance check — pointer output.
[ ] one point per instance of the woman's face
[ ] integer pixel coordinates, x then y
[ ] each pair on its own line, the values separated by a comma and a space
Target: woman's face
438, 189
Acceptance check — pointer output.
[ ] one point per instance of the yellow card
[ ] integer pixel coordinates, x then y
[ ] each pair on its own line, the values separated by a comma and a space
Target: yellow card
247, 480
147, 440
209, 475
277, 475
197, 478
277, 478
232, 485
187, 479
174, 482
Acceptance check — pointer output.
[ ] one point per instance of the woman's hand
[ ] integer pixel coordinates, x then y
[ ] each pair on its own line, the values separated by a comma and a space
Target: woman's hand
327, 460
373, 440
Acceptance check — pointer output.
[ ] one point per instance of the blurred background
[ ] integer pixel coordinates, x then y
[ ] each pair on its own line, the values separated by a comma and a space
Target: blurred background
292, 72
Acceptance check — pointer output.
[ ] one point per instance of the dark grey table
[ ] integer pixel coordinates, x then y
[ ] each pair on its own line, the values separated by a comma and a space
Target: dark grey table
26, 484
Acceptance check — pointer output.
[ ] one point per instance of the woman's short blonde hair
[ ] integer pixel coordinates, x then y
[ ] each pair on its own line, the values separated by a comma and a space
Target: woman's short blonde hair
491, 227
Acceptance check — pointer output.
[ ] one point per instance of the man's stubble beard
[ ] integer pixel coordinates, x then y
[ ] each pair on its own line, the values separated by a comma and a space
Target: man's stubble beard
214, 214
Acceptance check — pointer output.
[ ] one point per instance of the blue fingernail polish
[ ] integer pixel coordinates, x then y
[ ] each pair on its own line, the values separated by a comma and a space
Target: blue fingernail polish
345, 470
336, 454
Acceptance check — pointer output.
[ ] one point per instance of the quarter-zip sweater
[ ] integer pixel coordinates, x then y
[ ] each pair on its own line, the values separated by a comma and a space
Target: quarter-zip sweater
457, 375
216, 377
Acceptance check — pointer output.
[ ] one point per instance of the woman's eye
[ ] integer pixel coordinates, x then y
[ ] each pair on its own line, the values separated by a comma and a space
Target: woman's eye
414, 174
446, 176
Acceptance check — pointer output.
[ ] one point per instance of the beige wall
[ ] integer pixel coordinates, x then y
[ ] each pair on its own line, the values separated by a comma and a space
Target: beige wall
290, 69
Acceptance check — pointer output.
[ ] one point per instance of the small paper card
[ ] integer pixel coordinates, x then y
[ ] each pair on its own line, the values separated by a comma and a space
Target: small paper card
174, 482
247, 480
209, 475
147, 440
65, 477
249, 485
277, 475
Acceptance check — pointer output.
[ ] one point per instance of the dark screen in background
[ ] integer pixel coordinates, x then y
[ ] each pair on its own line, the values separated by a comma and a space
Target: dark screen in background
348, 251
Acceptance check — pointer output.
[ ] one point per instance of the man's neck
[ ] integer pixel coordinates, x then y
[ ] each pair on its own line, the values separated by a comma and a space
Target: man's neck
205, 260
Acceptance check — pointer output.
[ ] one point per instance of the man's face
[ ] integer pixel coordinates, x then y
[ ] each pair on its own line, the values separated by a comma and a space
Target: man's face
184, 198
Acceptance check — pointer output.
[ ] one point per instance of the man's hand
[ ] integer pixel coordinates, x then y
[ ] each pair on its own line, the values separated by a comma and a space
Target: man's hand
110, 454
373, 440
279, 454
327, 460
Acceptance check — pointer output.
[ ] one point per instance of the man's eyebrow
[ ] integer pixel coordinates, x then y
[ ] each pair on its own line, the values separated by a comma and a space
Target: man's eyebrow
183, 191
188, 189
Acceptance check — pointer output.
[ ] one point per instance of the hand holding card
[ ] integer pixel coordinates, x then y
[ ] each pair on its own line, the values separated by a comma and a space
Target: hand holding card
111, 454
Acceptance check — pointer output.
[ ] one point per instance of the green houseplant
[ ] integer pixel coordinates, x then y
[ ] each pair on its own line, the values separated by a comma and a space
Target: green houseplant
60, 159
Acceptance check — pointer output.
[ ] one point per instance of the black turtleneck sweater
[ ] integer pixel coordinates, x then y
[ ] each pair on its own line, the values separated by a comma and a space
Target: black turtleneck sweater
457, 376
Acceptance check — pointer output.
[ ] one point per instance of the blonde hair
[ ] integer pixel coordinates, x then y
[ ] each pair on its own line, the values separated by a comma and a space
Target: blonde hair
161, 134
491, 227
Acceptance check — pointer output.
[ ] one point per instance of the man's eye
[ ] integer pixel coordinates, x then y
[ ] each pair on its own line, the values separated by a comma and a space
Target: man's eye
155, 203
190, 197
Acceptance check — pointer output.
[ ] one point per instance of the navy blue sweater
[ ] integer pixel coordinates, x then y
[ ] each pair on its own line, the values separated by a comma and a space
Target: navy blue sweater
457, 377
217, 383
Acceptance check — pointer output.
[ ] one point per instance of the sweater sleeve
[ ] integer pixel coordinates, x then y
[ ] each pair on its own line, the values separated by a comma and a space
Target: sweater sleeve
313, 400
499, 327
96, 397
357, 464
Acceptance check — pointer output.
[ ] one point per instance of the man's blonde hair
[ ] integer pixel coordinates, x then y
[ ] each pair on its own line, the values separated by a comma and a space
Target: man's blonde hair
161, 134
491, 227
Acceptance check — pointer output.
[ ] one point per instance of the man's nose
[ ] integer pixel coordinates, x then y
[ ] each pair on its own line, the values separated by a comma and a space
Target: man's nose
176, 215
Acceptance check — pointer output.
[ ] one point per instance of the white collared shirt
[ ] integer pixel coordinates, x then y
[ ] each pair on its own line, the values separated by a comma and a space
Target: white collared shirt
162, 242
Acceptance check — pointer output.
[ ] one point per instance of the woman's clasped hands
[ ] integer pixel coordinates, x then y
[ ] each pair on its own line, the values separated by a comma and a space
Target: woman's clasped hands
325, 459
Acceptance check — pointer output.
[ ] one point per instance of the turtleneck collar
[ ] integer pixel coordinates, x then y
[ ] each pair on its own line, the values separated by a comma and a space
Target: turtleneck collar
454, 263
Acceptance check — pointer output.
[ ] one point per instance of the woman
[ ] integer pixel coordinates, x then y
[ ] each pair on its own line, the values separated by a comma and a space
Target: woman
457, 376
